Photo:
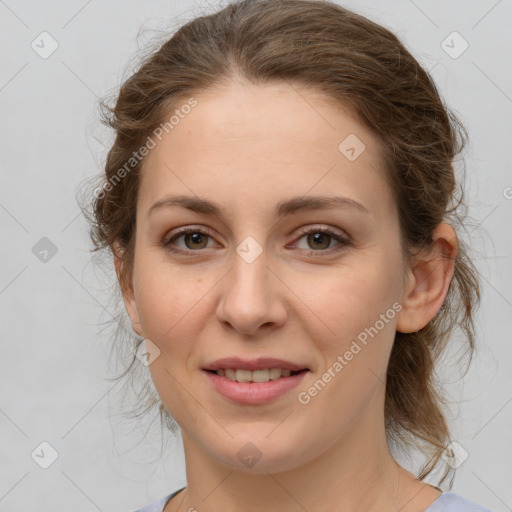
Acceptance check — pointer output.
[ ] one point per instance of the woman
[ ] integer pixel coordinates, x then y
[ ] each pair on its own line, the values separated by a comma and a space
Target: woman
279, 201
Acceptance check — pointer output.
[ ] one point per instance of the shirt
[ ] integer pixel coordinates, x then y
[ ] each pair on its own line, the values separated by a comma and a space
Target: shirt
447, 502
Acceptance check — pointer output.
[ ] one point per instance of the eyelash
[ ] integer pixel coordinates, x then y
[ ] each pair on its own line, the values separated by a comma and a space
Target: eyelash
343, 242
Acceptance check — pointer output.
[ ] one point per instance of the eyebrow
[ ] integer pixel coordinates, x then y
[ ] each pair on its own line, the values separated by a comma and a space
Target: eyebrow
283, 208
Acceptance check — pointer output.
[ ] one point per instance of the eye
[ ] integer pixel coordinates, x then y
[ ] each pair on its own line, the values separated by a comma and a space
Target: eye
194, 239
320, 239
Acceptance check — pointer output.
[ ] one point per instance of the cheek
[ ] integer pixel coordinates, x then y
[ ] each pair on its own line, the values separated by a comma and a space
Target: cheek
163, 301
170, 304
354, 337
348, 299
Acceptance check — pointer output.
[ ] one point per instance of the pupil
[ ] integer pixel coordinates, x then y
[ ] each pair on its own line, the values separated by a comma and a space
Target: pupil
196, 238
318, 237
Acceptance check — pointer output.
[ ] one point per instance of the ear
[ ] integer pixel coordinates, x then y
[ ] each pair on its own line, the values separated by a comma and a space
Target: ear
126, 285
428, 281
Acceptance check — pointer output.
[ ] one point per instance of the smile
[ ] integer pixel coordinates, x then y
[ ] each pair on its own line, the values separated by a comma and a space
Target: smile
254, 387
264, 375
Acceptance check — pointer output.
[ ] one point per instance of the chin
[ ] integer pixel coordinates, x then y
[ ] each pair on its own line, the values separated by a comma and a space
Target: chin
259, 454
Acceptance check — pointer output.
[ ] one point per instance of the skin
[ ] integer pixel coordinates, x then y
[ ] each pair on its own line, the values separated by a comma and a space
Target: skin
248, 147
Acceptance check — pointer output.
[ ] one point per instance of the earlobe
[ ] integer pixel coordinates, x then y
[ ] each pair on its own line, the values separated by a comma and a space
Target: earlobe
127, 291
429, 281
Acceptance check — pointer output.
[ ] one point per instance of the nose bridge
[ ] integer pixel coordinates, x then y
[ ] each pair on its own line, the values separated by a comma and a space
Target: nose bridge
250, 268
250, 297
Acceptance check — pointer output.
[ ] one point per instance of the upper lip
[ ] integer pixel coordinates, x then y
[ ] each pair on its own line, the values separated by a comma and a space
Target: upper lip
260, 363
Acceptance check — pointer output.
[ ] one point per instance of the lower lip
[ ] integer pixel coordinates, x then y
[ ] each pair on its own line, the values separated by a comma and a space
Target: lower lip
251, 393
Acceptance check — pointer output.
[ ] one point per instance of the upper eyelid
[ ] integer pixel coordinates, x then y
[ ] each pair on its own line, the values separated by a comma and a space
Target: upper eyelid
323, 227
307, 229
331, 231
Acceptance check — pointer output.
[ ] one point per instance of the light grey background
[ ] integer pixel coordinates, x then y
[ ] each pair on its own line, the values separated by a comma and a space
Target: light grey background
53, 364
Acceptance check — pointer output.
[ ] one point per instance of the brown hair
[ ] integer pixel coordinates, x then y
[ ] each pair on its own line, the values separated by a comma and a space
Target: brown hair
358, 64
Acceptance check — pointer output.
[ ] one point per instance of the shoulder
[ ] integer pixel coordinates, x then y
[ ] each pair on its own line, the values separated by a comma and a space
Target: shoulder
452, 502
158, 505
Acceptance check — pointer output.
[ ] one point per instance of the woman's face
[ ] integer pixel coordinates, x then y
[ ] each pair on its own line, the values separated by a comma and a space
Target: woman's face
274, 273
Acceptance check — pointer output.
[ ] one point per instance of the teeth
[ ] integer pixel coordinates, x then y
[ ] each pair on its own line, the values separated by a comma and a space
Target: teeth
243, 375
254, 376
274, 373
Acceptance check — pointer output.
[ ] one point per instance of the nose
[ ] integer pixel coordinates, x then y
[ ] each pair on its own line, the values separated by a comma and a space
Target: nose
252, 297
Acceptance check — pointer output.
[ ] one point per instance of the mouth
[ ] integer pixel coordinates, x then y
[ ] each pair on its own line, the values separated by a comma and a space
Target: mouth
248, 387
263, 375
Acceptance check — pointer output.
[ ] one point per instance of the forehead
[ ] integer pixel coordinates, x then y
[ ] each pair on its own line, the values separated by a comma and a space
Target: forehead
265, 142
